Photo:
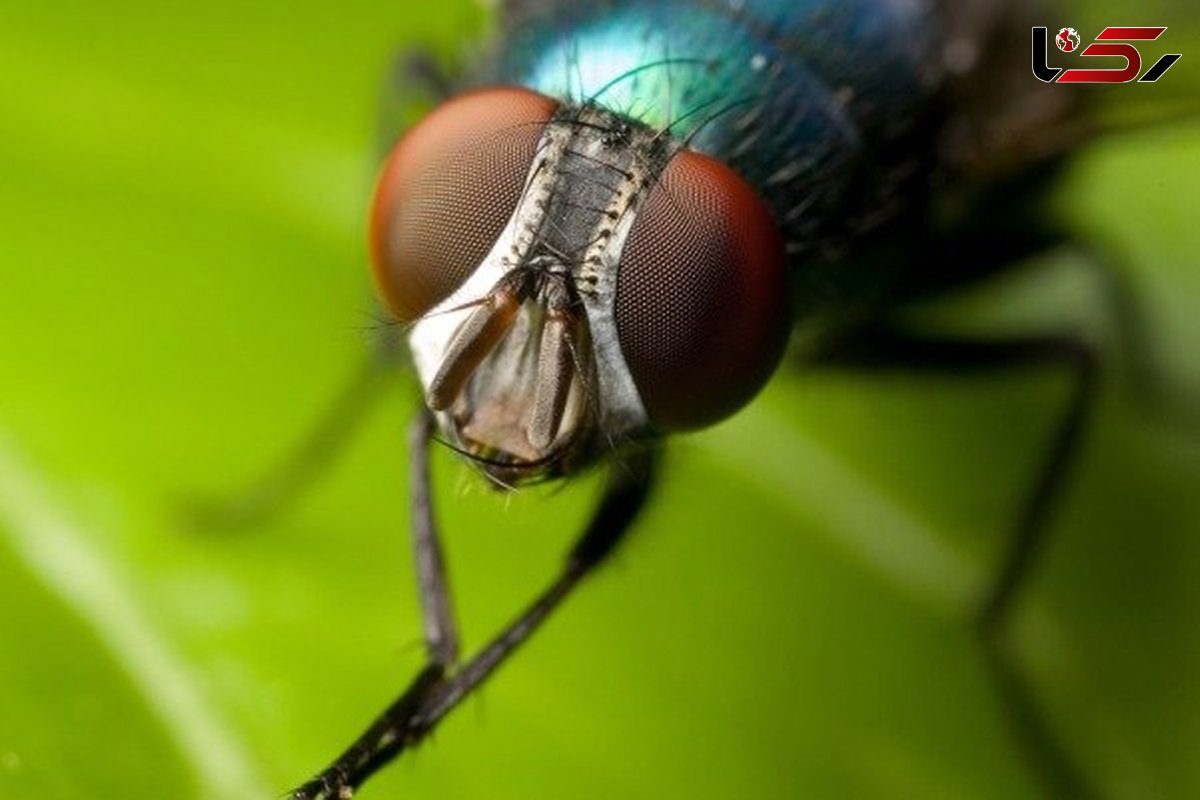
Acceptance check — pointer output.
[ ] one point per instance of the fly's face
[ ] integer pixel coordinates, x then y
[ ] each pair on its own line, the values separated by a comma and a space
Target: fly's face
573, 280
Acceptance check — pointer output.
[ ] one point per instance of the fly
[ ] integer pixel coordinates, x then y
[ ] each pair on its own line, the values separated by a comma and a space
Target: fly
609, 231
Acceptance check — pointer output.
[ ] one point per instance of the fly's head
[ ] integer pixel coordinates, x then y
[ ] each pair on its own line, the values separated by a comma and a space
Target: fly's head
574, 281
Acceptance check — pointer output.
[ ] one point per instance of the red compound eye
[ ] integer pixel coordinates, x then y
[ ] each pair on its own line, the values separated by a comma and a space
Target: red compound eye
448, 189
702, 296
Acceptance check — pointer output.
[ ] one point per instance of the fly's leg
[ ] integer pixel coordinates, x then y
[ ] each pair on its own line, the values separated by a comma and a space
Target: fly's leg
413, 82
381, 741
441, 686
1144, 376
419, 68
282, 484
893, 349
441, 632
1044, 751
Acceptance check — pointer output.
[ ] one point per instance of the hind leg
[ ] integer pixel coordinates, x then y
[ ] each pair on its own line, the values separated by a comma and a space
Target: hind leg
886, 347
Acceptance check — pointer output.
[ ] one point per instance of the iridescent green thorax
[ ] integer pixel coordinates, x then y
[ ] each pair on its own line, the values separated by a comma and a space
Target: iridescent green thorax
796, 96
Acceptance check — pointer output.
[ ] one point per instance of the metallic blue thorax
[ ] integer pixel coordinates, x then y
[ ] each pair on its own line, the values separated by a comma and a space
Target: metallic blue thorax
807, 99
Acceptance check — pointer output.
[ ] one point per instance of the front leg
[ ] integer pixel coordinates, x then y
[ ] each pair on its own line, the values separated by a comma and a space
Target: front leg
441, 632
414, 82
439, 687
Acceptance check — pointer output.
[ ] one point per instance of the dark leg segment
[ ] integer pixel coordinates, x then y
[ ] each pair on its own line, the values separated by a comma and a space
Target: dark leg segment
284, 483
415, 80
441, 634
1144, 377
438, 689
892, 349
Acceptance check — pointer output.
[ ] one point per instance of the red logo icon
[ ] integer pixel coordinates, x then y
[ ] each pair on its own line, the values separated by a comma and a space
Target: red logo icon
1067, 40
1112, 43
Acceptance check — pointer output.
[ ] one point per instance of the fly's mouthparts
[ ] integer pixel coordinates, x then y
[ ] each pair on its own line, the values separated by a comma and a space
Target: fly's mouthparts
557, 365
555, 325
475, 338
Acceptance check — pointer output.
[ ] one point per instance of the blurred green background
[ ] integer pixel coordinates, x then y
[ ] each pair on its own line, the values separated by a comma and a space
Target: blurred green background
181, 201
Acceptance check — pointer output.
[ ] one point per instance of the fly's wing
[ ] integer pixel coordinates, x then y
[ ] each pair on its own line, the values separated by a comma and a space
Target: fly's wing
1000, 119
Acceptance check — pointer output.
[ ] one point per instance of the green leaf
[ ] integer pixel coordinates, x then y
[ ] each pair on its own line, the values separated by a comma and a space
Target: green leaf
185, 288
